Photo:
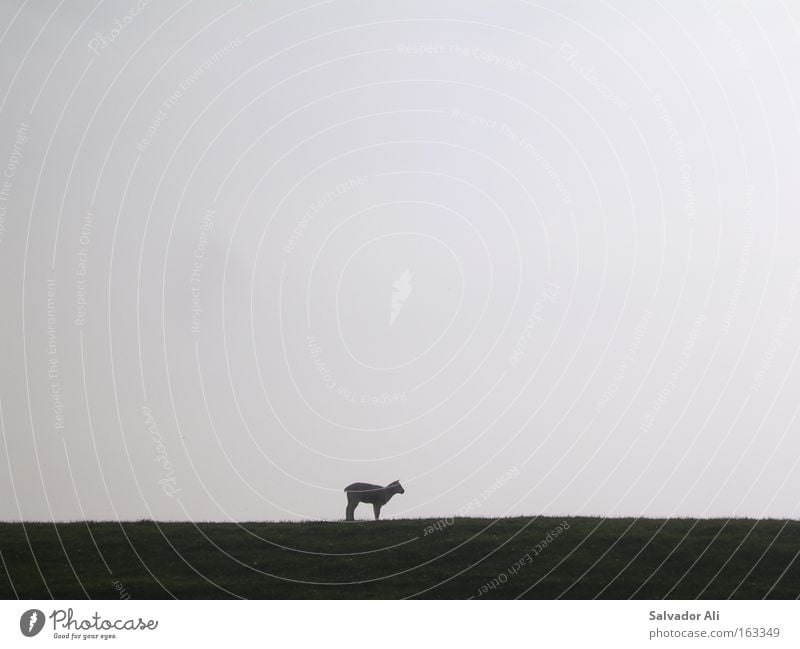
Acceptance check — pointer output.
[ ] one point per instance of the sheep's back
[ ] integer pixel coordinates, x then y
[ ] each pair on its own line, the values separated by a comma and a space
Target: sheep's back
363, 487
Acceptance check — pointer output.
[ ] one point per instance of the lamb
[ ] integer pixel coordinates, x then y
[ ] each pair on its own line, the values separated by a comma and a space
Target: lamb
375, 495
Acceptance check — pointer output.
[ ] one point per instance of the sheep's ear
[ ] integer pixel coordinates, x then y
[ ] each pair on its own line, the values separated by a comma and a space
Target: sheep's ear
396, 482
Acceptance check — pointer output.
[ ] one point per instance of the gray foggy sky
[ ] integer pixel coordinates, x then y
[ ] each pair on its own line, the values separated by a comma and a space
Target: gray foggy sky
524, 257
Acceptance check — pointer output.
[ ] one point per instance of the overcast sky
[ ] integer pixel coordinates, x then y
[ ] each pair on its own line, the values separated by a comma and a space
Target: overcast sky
524, 257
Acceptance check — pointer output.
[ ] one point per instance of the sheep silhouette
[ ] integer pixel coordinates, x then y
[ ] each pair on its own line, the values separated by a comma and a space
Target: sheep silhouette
375, 495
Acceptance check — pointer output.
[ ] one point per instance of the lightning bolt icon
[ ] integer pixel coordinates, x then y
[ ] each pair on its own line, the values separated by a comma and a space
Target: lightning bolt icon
402, 290
32, 621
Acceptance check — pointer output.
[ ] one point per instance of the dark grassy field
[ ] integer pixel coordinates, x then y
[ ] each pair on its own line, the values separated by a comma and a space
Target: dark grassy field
607, 558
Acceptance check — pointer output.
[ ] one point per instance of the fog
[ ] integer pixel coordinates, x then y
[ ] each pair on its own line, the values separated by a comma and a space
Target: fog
527, 258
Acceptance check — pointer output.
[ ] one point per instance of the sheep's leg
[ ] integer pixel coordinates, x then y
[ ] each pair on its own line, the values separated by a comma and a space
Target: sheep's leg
351, 509
377, 509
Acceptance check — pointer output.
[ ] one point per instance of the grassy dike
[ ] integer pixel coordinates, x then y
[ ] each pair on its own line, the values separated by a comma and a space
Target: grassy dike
461, 558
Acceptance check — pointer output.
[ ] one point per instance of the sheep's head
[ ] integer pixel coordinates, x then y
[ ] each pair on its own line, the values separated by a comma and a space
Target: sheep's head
396, 487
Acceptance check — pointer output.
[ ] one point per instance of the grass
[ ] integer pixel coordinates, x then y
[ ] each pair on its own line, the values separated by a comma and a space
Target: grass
607, 558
